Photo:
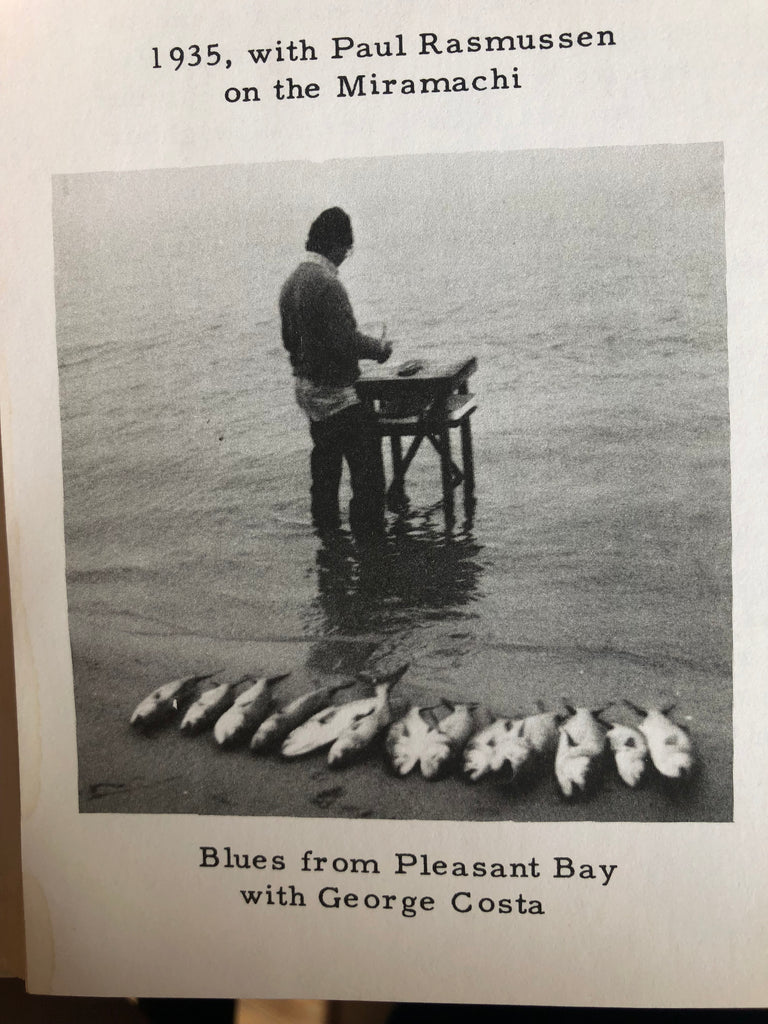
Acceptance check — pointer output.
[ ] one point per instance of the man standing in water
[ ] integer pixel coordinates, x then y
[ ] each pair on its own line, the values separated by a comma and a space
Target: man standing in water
322, 339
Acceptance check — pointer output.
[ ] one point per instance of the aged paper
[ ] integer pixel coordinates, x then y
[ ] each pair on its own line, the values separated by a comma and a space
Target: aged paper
556, 208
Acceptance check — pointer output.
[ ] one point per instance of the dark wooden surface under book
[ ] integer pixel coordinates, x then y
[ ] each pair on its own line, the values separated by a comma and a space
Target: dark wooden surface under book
436, 376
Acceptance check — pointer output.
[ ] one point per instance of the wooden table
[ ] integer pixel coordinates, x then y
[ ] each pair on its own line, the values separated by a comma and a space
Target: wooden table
425, 406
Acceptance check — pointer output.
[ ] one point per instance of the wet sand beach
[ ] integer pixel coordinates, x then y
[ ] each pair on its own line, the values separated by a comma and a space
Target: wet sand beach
591, 287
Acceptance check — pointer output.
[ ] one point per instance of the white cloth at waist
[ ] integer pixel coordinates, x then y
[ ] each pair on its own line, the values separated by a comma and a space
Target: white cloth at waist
319, 401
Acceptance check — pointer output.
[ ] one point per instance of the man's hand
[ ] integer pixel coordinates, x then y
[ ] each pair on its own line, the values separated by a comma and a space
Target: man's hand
386, 352
386, 346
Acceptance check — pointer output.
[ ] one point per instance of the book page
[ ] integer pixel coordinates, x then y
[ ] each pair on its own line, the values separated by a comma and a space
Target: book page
382, 437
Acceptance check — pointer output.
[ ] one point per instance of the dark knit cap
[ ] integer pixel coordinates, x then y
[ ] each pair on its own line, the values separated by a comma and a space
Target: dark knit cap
332, 227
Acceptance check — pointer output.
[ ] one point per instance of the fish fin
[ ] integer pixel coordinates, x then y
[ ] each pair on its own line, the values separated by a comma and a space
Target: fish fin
371, 676
322, 717
639, 710
342, 686
208, 675
271, 680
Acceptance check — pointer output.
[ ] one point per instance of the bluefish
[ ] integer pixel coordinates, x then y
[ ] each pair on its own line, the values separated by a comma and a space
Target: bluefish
580, 751
669, 744
513, 750
357, 736
165, 701
247, 712
630, 752
405, 740
207, 708
541, 731
445, 742
277, 726
325, 727
479, 752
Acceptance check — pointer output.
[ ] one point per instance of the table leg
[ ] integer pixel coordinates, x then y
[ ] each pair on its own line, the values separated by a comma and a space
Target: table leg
468, 464
396, 497
445, 470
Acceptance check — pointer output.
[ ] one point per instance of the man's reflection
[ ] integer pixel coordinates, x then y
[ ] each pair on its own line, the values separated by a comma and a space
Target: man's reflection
374, 593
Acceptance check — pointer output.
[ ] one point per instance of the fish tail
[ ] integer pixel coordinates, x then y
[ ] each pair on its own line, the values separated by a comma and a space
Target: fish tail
639, 710
391, 678
208, 675
342, 686
271, 680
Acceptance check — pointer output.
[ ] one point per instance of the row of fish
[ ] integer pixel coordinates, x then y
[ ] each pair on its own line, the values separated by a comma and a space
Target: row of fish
576, 742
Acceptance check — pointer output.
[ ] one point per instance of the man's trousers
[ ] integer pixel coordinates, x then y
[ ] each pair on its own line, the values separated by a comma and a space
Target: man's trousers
350, 435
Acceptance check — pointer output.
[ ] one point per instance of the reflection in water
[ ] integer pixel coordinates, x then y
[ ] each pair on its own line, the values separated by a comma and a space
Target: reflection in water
378, 594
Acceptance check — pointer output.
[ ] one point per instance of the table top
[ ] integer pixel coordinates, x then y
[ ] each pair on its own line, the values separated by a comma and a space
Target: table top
436, 375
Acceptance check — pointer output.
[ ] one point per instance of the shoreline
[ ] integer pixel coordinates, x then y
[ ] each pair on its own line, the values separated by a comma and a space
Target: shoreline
166, 772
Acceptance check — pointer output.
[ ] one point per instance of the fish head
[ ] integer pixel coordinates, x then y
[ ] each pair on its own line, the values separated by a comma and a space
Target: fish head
434, 756
227, 726
404, 759
477, 762
676, 765
620, 736
513, 752
296, 744
264, 735
577, 770
191, 719
574, 767
343, 750
146, 711
631, 765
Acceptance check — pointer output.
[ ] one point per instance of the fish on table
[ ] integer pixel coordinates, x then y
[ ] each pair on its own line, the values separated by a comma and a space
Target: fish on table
166, 701
247, 712
209, 706
669, 744
405, 740
277, 727
630, 752
580, 751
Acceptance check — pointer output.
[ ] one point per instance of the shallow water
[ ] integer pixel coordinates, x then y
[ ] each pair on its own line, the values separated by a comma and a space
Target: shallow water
591, 287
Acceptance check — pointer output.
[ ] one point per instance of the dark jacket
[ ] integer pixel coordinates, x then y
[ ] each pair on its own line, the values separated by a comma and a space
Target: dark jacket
318, 326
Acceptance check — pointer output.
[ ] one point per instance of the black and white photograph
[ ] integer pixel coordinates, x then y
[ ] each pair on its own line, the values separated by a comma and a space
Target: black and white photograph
399, 487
